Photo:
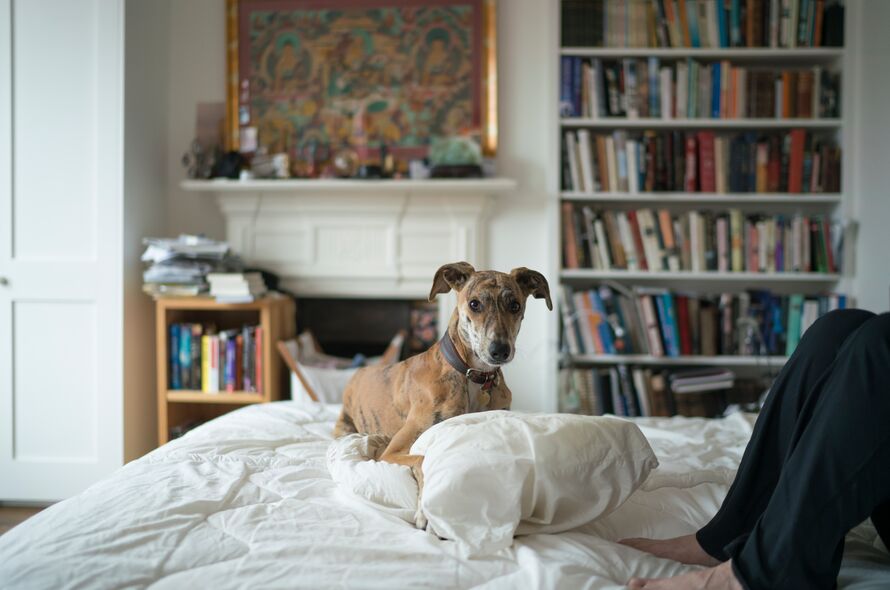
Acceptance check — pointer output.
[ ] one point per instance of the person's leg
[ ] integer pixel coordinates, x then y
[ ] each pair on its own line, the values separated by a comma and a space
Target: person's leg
837, 474
789, 404
759, 469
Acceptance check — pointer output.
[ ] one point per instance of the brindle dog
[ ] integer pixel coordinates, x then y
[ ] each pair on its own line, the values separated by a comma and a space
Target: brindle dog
401, 401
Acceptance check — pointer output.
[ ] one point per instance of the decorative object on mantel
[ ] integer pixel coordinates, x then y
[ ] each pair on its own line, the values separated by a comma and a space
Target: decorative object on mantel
230, 166
455, 157
402, 72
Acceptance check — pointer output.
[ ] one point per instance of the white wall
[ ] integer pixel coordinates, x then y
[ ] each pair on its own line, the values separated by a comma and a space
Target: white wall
519, 232
146, 79
871, 159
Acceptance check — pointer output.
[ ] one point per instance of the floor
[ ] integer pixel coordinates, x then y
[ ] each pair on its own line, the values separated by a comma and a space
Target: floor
13, 515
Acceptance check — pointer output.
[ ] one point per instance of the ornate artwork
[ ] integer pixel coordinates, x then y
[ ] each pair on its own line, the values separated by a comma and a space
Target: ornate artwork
326, 74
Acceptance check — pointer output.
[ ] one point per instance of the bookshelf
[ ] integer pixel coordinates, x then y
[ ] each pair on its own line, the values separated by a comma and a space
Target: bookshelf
634, 123
275, 314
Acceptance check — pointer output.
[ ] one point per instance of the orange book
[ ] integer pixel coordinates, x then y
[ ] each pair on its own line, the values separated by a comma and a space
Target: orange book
569, 240
684, 26
817, 34
761, 170
666, 225
602, 162
786, 95
593, 323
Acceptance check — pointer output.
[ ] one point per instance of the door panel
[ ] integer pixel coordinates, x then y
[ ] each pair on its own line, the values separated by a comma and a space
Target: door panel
61, 204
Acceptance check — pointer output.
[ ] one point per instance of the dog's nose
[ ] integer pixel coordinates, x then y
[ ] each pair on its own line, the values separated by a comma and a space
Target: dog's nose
499, 351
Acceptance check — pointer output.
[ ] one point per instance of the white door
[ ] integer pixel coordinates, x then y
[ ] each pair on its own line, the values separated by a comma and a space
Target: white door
61, 84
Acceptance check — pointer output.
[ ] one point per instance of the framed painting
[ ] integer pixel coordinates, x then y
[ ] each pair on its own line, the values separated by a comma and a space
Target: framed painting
364, 74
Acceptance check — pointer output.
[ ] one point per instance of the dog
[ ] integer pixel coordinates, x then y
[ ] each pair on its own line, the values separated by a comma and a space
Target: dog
458, 375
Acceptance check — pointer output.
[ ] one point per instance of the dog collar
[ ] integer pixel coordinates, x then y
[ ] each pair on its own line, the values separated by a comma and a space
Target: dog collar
486, 379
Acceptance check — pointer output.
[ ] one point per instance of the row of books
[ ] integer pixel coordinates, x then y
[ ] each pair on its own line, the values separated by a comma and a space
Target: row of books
643, 88
203, 358
658, 240
636, 391
660, 322
783, 162
702, 23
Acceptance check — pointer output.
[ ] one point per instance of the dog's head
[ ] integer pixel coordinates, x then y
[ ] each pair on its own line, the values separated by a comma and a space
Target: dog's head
490, 306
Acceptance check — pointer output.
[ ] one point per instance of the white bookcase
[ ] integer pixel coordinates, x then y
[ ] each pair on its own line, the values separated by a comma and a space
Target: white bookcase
835, 204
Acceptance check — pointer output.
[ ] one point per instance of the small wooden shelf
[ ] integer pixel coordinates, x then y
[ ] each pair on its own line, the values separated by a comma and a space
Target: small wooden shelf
771, 54
275, 313
703, 123
645, 359
225, 397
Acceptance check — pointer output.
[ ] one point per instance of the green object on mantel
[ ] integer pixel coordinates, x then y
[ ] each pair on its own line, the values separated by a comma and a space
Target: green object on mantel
455, 151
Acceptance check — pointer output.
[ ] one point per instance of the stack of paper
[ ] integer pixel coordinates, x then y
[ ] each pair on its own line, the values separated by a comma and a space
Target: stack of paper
178, 266
701, 380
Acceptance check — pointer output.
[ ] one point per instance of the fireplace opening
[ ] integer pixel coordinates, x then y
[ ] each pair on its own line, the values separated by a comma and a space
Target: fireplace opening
347, 327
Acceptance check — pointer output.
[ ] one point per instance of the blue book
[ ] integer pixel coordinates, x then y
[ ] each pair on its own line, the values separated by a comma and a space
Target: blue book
692, 23
735, 23
654, 88
722, 29
842, 302
185, 356
566, 104
604, 328
668, 324
175, 381
577, 70
715, 91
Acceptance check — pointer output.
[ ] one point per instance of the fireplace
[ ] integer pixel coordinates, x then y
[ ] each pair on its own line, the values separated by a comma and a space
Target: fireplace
347, 327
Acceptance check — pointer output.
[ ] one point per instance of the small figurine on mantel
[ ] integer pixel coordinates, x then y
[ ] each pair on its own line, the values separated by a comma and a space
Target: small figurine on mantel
455, 157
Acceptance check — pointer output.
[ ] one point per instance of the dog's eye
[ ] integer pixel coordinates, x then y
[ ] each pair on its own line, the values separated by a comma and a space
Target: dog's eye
475, 305
515, 307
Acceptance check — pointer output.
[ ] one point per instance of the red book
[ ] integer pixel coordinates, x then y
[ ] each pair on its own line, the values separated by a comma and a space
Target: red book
683, 324
569, 240
753, 249
691, 181
260, 383
795, 163
707, 178
638, 239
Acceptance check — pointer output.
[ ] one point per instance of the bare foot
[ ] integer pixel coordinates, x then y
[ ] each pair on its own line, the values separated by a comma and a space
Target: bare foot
715, 578
684, 549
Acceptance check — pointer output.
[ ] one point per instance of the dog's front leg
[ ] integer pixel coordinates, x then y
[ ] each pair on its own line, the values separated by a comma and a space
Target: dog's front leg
399, 452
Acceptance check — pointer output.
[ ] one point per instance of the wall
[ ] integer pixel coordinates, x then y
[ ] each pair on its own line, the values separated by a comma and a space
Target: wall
146, 81
871, 160
519, 233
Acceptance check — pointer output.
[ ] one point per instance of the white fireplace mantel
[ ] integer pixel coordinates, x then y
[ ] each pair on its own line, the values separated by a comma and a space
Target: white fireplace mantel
355, 238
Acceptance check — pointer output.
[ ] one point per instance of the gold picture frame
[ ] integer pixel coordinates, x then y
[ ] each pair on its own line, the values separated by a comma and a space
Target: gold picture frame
484, 121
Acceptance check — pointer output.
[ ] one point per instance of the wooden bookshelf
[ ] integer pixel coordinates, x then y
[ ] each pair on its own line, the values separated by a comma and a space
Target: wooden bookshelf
709, 283
275, 313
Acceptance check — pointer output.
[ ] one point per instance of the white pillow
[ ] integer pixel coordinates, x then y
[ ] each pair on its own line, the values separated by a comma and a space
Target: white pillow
328, 384
492, 475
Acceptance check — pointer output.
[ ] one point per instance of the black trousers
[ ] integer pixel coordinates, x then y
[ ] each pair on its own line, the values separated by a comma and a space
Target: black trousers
818, 462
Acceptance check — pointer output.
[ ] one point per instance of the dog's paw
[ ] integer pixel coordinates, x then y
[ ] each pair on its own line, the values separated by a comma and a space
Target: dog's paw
420, 520
377, 443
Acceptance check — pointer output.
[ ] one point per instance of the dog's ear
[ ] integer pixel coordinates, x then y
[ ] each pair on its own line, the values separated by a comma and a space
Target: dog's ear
451, 276
532, 283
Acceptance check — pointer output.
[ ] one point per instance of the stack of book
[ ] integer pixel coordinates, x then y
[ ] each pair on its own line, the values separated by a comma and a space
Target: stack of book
644, 88
783, 162
236, 287
179, 266
703, 23
662, 323
657, 240
203, 358
635, 391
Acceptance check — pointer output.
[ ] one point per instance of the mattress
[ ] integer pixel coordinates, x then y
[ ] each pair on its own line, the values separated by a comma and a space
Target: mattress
245, 501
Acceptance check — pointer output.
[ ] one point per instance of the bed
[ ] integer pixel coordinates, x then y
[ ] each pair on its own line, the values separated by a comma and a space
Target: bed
245, 501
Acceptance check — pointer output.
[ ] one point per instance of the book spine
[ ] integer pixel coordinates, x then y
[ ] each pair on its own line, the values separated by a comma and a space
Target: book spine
260, 365
230, 364
185, 356
205, 363
175, 380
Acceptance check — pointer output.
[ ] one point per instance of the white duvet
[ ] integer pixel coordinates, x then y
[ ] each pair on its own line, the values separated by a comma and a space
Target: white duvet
246, 501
